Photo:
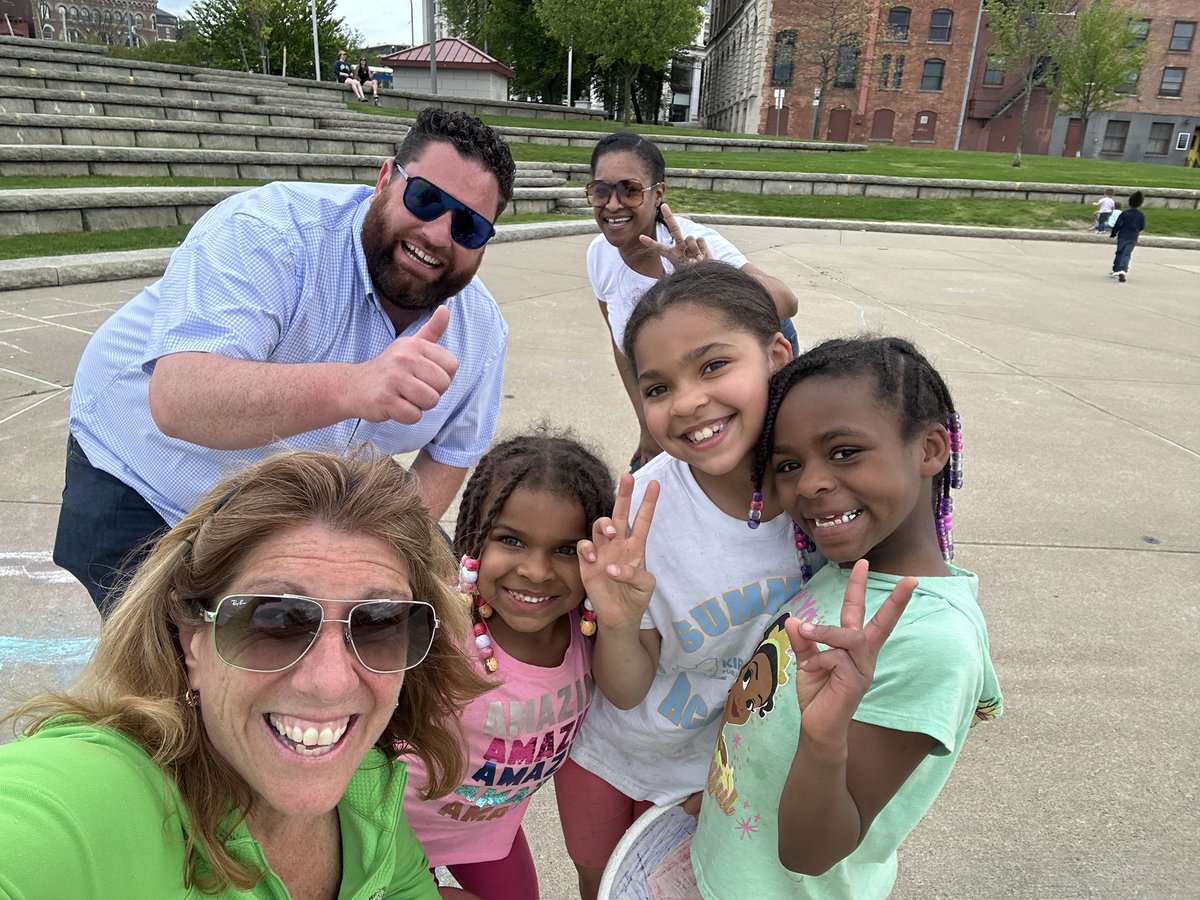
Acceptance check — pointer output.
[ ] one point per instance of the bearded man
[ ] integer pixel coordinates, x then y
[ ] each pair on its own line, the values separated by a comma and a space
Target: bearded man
312, 316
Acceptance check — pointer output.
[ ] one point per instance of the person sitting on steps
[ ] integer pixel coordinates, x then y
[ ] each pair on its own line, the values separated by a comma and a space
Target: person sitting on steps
344, 73
363, 74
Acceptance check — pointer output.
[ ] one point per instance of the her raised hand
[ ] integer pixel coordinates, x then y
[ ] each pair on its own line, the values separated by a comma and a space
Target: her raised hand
830, 683
613, 562
684, 250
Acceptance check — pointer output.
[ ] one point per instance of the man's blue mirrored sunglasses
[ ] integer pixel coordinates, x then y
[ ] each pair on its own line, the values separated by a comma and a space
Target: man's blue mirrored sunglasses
427, 201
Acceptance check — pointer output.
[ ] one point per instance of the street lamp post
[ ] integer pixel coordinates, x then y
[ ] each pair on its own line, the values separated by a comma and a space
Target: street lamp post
312, 5
431, 30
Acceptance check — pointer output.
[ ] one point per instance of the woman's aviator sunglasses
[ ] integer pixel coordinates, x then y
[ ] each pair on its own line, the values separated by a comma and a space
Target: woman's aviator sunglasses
427, 201
272, 632
629, 192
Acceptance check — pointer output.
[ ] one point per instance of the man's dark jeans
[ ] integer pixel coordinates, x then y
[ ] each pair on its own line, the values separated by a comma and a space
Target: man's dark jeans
104, 529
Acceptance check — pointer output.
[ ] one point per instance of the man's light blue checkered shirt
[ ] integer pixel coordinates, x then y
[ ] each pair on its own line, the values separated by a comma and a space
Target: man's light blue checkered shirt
275, 274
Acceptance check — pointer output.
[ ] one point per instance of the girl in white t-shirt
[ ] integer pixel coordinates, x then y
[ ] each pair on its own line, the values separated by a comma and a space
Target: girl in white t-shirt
529, 501
640, 241
702, 345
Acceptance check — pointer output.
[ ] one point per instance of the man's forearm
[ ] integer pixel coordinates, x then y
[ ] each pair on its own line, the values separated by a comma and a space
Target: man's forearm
233, 404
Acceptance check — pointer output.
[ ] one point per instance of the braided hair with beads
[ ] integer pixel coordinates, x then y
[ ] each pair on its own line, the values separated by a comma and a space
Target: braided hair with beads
541, 459
905, 381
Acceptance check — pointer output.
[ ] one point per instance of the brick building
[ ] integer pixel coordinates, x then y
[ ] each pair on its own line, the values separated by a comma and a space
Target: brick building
900, 78
130, 22
1160, 121
918, 72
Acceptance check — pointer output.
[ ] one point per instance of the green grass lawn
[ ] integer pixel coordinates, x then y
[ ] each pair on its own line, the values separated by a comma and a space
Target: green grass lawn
907, 162
997, 213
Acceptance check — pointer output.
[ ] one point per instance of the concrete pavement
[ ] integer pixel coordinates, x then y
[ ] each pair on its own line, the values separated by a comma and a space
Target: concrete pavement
1082, 430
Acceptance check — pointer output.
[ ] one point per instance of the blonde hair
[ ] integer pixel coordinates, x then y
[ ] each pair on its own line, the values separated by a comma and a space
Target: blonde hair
136, 680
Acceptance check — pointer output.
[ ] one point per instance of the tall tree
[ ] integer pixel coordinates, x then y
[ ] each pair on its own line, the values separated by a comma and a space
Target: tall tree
1028, 36
829, 37
252, 34
625, 34
1099, 57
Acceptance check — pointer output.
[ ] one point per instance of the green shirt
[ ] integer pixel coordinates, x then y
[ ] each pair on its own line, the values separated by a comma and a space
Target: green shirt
85, 813
934, 676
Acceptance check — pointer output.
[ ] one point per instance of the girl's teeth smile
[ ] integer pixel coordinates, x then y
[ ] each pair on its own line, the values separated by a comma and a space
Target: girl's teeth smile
830, 521
706, 432
527, 598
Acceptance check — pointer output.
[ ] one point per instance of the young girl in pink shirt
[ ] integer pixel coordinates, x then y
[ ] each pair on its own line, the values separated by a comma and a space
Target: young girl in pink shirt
530, 500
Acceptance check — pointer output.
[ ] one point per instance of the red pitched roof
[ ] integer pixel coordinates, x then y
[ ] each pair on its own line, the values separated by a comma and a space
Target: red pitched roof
452, 53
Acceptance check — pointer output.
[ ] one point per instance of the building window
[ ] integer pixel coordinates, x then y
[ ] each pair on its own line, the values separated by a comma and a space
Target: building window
785, 58
932, 74
889, 75
47, 33
992, 73
1115, 134
897, 24
1139, 30
45, 11
846, 75
139, 21
74, 13
1172, 82
85, 14
1181, 36
1160, 138
940, 21
1129, 85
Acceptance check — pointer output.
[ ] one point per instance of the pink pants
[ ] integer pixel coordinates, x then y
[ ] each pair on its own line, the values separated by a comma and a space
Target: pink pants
511, 878
594, 814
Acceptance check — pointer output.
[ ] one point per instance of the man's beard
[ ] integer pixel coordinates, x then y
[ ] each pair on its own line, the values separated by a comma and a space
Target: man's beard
400, 288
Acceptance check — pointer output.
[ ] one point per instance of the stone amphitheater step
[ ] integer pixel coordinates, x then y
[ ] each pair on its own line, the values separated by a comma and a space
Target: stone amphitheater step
68, 210
115, 131
34, 80
13, 99
157, 162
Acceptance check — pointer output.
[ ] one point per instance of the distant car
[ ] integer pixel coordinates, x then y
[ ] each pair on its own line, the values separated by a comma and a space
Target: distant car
382, 76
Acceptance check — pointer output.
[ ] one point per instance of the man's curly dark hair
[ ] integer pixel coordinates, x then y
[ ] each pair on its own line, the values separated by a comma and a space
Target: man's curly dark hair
469, 136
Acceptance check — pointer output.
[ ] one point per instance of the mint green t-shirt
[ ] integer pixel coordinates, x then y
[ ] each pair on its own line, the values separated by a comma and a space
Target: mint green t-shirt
85, 813
934, 676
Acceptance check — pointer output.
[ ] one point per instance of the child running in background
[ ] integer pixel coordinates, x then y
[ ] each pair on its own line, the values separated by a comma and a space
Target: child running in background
702, 343
827, 760
640, 241
1128, 226
529, 501
1106, 204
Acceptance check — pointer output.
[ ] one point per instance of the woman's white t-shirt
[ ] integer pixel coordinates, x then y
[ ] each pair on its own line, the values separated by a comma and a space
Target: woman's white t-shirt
619, 287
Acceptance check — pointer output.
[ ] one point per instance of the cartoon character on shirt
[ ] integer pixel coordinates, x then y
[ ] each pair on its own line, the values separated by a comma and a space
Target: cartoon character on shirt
752, 692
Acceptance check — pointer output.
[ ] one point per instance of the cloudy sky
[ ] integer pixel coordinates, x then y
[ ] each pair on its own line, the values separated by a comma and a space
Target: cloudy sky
378, 21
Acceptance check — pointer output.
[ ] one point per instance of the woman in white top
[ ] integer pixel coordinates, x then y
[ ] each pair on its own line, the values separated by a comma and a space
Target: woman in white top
640, 241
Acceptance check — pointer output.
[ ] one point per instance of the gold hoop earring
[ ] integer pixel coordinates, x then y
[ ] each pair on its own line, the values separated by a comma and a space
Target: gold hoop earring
191, 698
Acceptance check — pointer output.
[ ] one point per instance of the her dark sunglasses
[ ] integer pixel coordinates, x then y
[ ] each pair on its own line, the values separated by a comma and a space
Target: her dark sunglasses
272, 632
629, 192
427, 201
